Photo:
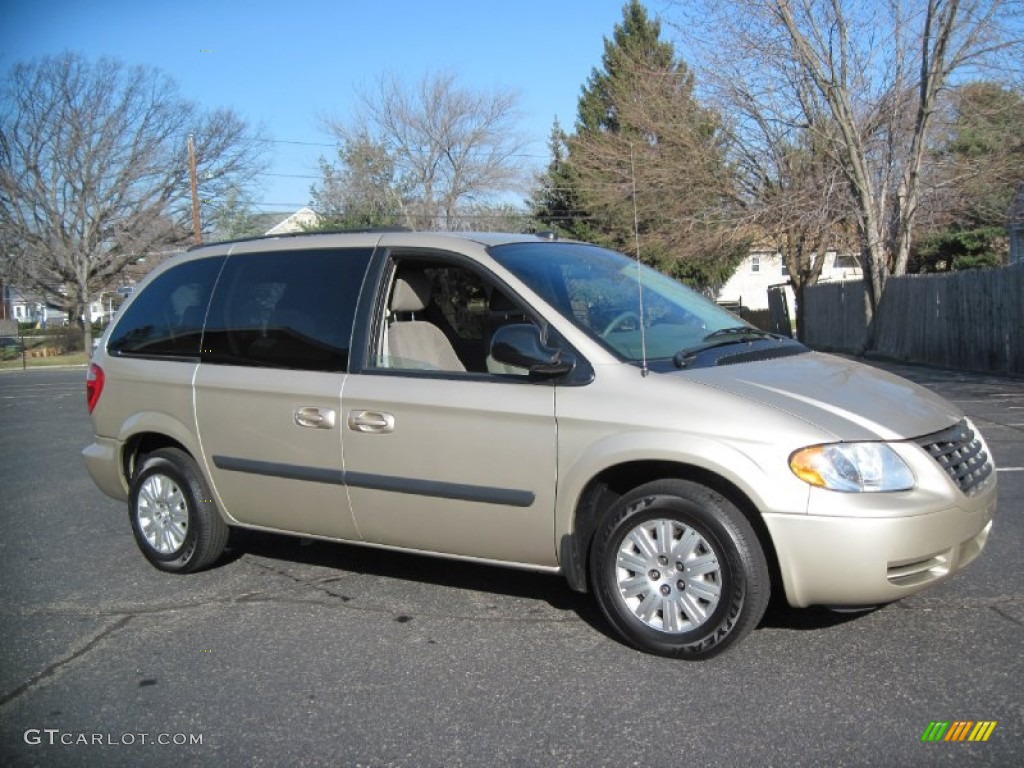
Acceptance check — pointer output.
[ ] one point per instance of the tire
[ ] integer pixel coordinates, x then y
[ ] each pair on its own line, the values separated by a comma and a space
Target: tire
173, 516
692, 596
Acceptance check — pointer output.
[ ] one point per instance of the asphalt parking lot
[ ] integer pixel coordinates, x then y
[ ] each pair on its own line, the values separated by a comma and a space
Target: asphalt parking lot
293, 653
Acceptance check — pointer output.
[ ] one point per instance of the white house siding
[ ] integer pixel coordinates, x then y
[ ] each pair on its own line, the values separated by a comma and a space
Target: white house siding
28, 310
759, 271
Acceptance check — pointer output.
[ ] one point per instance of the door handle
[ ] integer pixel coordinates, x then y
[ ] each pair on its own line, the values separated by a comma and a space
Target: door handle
315, 418
376, 422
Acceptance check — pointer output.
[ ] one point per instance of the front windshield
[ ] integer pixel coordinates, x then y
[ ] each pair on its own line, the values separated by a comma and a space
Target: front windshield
599, 291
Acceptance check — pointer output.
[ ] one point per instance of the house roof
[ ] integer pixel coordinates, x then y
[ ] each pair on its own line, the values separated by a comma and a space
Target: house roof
294, 222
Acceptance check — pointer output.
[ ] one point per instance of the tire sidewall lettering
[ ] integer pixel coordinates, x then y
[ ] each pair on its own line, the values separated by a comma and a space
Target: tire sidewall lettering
709, 518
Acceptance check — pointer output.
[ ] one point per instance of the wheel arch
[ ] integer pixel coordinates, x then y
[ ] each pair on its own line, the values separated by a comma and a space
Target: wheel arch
611, 483
143, 443
147, 431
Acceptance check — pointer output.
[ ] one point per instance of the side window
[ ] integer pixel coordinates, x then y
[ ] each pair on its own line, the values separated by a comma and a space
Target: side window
166, 320
286, 309
441, 317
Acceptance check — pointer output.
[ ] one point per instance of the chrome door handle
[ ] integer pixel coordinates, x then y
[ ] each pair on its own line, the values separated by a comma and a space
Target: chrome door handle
315, 418
376, 422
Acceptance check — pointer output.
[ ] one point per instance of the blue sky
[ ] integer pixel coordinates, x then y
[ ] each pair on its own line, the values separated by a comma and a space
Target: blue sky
283, 65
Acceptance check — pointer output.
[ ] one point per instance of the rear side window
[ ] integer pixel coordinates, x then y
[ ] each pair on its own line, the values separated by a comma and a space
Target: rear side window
289, 309
166, 319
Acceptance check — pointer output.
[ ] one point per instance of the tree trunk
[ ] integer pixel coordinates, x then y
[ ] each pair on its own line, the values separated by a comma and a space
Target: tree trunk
79, 315
87, 335
799, 289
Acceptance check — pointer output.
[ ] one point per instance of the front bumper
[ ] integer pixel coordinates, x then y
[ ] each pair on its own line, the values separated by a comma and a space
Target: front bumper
861, 561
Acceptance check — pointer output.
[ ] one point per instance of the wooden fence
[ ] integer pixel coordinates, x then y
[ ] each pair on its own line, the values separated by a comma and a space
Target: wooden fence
967, 320
834, 317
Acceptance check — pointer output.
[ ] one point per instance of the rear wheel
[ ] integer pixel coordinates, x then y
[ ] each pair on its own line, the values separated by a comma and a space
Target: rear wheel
678, 570
174, 518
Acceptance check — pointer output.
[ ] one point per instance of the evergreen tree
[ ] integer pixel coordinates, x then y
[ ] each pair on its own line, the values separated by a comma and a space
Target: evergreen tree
556, 204
232, 218
646, 163
360, 191
973, 175
636, 42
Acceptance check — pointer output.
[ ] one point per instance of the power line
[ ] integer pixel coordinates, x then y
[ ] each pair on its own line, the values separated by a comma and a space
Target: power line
290, 175
339, 146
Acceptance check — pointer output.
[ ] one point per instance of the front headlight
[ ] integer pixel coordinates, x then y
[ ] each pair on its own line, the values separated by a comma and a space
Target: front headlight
852, 467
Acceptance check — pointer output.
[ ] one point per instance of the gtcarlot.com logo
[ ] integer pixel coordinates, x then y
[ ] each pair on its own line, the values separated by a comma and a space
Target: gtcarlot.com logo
54, 737
958, 730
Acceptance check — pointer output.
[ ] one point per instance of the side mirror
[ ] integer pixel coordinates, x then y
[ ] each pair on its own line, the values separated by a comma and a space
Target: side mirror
520, 345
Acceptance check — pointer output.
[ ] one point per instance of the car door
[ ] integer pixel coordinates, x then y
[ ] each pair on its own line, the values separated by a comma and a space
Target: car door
447, 456
268, 388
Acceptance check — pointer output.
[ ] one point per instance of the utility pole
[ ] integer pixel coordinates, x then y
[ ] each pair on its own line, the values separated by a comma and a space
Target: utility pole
197, 233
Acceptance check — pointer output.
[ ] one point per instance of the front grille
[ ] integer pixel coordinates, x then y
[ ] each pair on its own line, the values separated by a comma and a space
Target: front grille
959, 451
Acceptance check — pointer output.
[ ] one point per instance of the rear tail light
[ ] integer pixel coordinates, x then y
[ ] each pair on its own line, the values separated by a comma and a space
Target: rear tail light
93, 386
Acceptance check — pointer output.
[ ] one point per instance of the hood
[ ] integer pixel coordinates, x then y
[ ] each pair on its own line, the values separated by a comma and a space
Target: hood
851, 400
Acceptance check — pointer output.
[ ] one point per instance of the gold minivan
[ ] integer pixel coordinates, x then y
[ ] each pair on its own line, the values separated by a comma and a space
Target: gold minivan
528, 402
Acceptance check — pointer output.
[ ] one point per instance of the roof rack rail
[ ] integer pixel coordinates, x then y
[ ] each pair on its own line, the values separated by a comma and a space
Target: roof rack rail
253, 238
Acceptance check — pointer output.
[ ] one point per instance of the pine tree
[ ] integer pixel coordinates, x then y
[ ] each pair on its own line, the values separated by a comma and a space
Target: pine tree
646, 161
636, 42
556, 203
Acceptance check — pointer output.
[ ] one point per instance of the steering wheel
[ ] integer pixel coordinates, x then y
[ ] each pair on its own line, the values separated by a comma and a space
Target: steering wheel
618, 320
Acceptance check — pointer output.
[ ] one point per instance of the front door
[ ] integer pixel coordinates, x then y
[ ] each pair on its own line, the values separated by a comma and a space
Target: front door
462, 467
447, 451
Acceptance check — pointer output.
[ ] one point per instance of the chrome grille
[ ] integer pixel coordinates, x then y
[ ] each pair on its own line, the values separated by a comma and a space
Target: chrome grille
961, 454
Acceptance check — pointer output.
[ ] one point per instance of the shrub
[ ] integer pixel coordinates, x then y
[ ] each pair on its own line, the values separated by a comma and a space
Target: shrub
69, 339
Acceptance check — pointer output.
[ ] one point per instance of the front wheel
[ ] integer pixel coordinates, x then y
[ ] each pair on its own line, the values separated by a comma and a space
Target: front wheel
173, 515
678, 570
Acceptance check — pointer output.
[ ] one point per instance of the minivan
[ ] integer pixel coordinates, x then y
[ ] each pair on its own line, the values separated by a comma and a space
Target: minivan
525, 401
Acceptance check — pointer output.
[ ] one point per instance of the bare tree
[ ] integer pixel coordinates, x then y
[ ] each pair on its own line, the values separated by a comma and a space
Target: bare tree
94, 171
449, 147
795, 198
873, 69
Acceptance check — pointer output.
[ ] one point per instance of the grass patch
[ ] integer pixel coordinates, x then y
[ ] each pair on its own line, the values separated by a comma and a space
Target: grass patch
75, 358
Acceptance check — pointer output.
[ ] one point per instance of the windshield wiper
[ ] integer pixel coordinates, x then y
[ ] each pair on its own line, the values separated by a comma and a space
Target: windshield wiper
723, 337
742, 330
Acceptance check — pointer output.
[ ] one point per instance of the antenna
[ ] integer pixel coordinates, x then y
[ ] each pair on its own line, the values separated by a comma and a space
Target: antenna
644, 371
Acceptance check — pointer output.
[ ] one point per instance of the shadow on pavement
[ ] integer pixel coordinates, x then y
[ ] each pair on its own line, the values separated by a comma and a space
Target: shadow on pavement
551, 589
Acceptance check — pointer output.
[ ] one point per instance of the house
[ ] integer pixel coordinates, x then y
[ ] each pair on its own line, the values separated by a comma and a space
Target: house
296, 222
749, 284
255, 224
25, 307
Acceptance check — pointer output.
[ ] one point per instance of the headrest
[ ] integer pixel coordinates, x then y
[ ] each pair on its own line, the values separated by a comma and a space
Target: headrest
411, 293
